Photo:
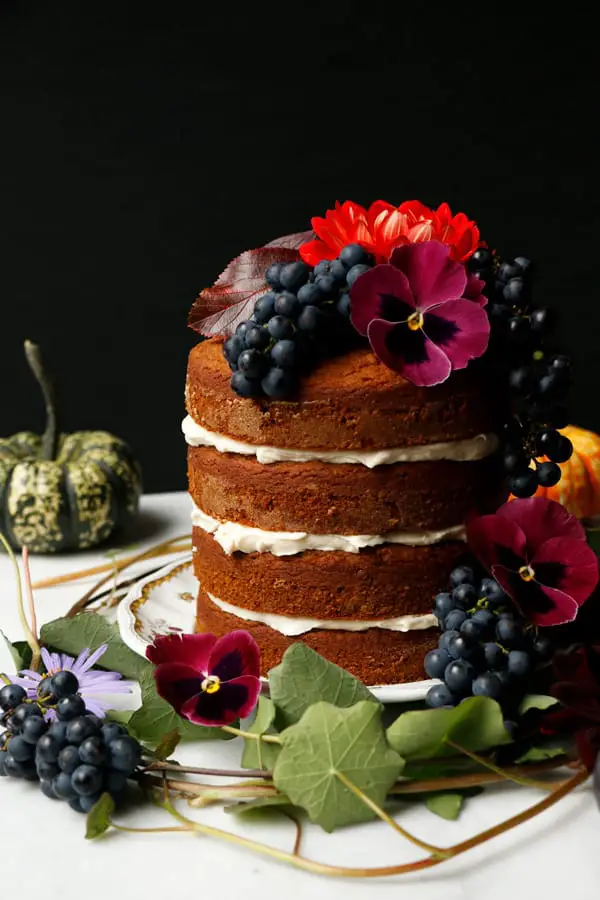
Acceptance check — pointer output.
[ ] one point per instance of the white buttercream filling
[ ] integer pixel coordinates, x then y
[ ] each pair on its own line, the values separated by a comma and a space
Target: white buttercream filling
459, 451
233, 537
293, 625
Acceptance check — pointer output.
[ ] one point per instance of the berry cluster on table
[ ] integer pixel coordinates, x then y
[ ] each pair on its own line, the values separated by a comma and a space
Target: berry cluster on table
54, 740
486, 649
538, 375
303, 318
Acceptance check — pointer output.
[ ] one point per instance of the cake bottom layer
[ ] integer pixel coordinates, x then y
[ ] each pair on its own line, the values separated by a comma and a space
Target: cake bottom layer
375, 656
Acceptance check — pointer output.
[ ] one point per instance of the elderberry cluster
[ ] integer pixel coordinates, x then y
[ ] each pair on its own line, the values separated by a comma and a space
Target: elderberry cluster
486, 649
76, 757
301, 320
539, 378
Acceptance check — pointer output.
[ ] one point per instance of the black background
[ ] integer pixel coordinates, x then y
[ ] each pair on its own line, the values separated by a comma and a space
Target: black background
143, 146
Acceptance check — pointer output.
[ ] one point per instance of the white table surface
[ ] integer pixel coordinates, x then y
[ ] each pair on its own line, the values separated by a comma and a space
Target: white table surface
556, 856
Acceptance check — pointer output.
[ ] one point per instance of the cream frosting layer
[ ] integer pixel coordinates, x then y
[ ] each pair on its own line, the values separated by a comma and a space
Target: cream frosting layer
233, 537
468, 450
291, 626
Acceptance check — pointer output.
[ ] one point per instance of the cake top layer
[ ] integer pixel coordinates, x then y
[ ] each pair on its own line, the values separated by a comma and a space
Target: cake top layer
352, 401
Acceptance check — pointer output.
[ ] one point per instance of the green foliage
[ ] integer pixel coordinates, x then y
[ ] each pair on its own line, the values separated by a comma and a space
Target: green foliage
167, 745
91, 630
258, 754
156, 718
259, 806
303, 678
476, 724
99, 817
446, 804
13, 652
328, 743
539, 754
536, 701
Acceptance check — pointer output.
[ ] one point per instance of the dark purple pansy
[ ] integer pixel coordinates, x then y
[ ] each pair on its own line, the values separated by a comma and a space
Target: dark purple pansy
208, 680
538, 552
422, 313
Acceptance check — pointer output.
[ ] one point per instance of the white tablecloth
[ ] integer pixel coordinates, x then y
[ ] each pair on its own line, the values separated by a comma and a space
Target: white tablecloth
43, 851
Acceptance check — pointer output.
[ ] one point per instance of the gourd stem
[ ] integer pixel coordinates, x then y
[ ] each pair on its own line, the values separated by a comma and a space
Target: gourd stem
50, 436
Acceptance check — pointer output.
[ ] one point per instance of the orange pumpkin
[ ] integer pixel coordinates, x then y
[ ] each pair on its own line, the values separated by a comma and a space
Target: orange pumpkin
579, 488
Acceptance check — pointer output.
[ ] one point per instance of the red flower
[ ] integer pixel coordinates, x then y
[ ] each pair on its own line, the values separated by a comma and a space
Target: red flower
416, 314
538, 552
207, 680
382, 227
577, 686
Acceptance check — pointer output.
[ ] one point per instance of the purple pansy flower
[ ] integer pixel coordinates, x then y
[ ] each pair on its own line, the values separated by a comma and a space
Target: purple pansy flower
208, 680
539, 553
422, 313
94, 687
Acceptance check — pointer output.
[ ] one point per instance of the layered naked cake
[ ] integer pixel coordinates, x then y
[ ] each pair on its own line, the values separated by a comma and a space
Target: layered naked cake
335, 516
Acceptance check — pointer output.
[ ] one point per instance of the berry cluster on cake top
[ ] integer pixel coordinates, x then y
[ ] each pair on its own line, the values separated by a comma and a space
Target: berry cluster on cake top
423, 291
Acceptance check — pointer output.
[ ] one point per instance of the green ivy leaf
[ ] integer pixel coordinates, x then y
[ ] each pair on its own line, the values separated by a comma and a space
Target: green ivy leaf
258, 805
303, 678
536, 701
538, 754
122, 716
476, 724
327, 742
156, 718
166, 746
91, 630
25, 653
446, 804
99, 817
263, 757
8, 650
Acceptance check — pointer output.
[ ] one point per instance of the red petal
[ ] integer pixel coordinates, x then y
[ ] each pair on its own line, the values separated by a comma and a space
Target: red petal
177, 684
236, 654
579, 576
314, 251
415, 210
473, 290
432, 275
564, 609
486, 535
542, 519
469, 335
367, 291
192, 650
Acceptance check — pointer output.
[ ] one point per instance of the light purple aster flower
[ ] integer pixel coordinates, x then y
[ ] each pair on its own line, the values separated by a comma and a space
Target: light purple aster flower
93, 686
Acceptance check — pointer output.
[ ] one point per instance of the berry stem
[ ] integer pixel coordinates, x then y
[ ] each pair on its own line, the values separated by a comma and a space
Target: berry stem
474, 779
29, 635
224, 773
507, 774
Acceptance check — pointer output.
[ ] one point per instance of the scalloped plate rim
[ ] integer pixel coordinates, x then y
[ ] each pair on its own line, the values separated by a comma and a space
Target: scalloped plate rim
127, 622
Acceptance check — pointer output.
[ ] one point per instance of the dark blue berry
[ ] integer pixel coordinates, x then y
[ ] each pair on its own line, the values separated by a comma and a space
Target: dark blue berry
20, 749
46, 770
115, 781
310, 295
63, 787
311, 319
509, 270
524, 485
80, 729
541, 320
264, 308
355, 255
489, 587
494, 655
273, 274
462, 575
124, 754
354, 273
243, 328
487, 685
462, 647
47, 789
278, 383
438, 695
454, 619
524, 264
93, 752
284, 354
70, 708
252, 363
33, 728
244, 386
509, 632
68, 759
232, 348
22, 712
436, 662
343, 305
481, 259
322, 268
88, 803
563, 450
447, 638
548, 474
287, 304
112, 730
293, 275
58, 732
338, 272
257, 338
87, 780
543, 647
442, 605
459, 675
514, 292
11, 696
519, 663
464, 596
280, 327
327, 285
64, 684
485, 618
472, 629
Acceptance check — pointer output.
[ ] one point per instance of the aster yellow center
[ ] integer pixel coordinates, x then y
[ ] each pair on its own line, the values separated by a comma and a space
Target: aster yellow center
526, 573
211, 684
415, 321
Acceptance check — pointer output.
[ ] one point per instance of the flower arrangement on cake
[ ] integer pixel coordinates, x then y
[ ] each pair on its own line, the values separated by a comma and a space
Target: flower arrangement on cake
377, 430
